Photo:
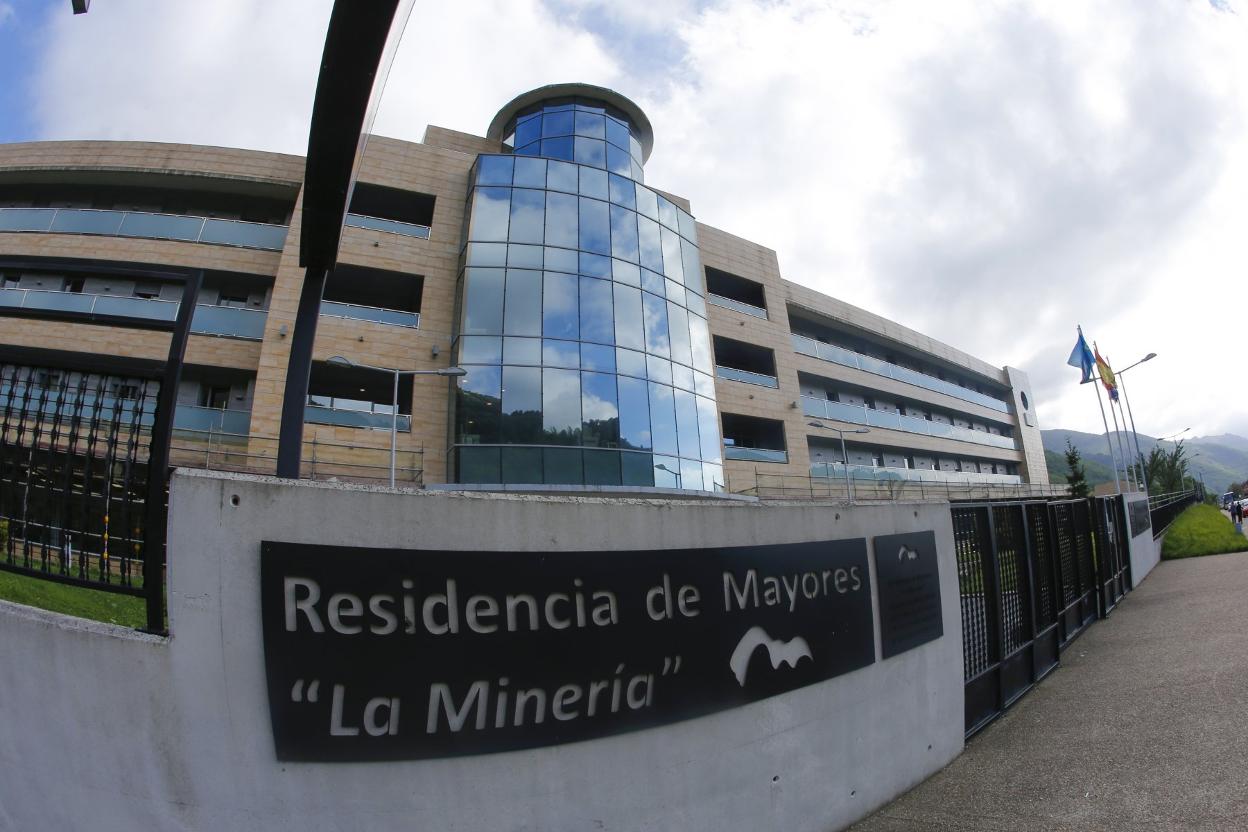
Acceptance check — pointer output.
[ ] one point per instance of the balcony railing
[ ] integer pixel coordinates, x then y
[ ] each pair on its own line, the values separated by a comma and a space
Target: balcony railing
736, 305
859, 473
193, 417
145, 225
745, 376
324, 411
849, 358
393, 317
407, 229
861, 415
229, 321
755, 454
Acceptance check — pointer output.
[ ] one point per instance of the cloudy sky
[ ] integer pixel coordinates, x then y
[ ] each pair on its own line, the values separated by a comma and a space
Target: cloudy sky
989, 173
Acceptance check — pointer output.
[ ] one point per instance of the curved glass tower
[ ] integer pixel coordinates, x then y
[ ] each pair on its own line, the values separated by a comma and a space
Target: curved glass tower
582, 320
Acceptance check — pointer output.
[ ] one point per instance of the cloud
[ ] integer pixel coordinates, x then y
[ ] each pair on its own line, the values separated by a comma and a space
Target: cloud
7, 13
988, 173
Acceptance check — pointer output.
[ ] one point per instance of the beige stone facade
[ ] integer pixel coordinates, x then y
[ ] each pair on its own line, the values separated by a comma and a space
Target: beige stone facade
439, 168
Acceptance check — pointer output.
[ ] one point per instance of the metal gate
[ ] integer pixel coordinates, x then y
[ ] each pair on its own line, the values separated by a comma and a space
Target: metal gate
74, 475
1028, 581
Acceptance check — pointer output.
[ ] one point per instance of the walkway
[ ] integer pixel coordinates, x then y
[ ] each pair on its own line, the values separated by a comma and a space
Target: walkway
1144, 726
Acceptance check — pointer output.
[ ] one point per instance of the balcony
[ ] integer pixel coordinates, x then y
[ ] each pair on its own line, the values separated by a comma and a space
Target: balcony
350, 413
736, 305
755, 454
407, 229
226, 321
861, 415
867, 473
212, 420
391, 317
746, 377
849, 358
144, 225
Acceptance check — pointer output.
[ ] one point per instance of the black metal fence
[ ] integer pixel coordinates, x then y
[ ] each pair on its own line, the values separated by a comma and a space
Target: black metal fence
1032, 576
75, 476
1164, 508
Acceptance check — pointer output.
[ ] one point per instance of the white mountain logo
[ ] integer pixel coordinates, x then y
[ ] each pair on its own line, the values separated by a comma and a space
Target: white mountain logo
778, 651
906, 553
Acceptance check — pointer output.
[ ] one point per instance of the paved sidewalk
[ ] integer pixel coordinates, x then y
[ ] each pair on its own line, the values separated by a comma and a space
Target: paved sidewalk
1144, 726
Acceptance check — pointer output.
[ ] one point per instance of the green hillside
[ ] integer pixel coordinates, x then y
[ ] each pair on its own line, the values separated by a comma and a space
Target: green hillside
1219, 460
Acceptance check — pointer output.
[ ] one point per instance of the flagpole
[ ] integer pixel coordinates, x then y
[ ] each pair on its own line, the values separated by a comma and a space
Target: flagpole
1105, 422
1139, 455
1118, 438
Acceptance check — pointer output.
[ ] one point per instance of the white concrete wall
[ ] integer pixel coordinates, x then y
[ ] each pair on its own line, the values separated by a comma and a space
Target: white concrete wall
106, 729
1145, 553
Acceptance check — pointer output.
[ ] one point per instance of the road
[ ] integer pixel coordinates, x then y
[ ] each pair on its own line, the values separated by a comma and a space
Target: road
1143, 727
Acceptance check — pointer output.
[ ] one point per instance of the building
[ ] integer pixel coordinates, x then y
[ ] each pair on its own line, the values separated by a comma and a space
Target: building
608, 337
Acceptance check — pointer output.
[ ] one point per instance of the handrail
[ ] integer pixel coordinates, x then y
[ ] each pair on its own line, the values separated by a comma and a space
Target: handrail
406, 229
166, 310
182, 227
736, 305
843, 412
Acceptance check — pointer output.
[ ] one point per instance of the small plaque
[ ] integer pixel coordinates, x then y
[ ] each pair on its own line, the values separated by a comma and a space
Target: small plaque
909, 586
1141, 521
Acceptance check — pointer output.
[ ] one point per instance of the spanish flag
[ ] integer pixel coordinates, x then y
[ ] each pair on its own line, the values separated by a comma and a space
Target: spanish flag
1107, 375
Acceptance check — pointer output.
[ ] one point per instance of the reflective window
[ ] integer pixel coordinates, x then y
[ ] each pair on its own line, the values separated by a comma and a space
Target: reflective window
562, 465
557, 148
678, 328
593, 183
522, 351
595, 228
634, 411
618, 134
477, 402
560, 259
494, 170
626, 273
522, 465
483, 301
522, 405
601, 419
692, 269
663, 419
561, 407
691, 474
595, 265
657, 340
602, 468
557, 124
590, 152
636, 469
629, 331
648, 202
658, 369
700, 338
618, 161
623, 192
528, 210
560, 176
523, 306
652, 282
623, 234
487, 254
708, 429
528, 131
524, 256
650, 244
667, 213
561, 354
598, 357
561, 220
480, 349
630, 363
673, 267
490, 209
591, 125
530, 173
559, 306
682, 376
597, 317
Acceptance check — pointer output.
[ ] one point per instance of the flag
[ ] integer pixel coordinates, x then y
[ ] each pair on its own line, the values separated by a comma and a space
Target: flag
1082, 358
1107, 376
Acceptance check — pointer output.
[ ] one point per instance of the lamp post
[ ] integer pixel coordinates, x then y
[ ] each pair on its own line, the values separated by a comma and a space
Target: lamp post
342, 361
1139, 462
849, 482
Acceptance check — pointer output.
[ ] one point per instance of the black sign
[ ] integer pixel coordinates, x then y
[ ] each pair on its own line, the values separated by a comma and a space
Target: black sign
383, 654
1140, 519
909, 587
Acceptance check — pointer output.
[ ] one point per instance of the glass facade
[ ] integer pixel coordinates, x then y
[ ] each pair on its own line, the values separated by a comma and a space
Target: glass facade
582, 318
578, 130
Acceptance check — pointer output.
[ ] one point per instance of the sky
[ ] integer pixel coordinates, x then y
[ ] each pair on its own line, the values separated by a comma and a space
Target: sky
989, 173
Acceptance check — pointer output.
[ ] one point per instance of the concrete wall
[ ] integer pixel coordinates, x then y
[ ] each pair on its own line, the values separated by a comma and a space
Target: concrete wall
1145, 552
148, 733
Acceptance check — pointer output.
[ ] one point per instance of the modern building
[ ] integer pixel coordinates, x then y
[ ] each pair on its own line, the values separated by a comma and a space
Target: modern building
608, 337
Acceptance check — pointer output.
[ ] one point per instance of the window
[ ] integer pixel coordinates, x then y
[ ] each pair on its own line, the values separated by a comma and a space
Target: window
216, 396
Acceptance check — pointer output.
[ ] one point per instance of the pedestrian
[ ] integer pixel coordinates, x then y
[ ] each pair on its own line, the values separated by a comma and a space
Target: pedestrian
1237, 516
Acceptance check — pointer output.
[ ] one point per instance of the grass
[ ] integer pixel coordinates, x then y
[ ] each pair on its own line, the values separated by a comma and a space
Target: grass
109, 607
1202, 530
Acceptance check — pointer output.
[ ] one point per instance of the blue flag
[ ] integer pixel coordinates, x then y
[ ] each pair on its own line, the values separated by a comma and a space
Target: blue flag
1082, 358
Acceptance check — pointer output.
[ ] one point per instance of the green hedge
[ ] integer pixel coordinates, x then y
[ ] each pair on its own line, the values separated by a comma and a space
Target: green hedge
1202, 530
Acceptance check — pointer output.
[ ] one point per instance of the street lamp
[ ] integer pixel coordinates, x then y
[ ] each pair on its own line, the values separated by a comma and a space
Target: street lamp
849, 482
1173, 435
343, 361
1139, 462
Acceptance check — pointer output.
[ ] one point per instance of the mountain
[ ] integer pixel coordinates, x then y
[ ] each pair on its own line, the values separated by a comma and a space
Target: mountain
1094, 472
1220, 460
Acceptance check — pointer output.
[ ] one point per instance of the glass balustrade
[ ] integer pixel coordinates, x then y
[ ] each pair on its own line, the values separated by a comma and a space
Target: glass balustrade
216, 420
393, 317
861, 415
849, 358
208, 320
145, 225
733, 374
755, 454
736, 305
347, 417
407, 229
867, 473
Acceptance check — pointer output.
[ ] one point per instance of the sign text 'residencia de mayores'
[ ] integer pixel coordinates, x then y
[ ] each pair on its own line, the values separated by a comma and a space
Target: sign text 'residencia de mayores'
375, 654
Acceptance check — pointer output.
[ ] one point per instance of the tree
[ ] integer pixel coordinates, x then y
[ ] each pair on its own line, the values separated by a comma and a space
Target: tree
1076, 478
